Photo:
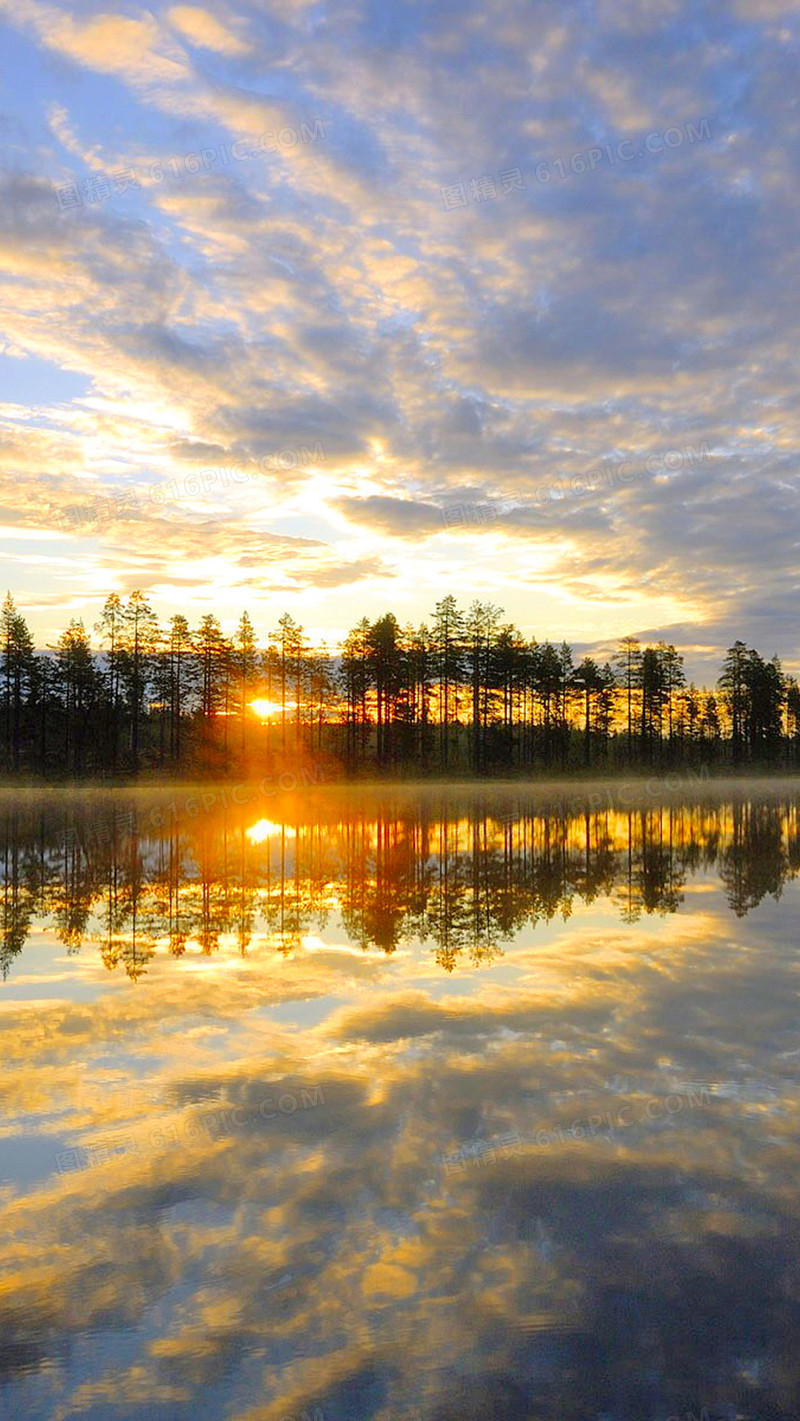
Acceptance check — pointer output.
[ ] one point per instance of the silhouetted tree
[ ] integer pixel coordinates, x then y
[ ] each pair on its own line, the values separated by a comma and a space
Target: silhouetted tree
447, 645
18, 671
79, 684
628, 663
245, 656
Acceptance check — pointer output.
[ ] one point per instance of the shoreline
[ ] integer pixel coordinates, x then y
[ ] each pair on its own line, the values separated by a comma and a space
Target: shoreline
668, 781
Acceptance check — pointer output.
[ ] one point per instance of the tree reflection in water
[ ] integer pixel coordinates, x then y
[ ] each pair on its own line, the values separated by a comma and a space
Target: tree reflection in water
465, 877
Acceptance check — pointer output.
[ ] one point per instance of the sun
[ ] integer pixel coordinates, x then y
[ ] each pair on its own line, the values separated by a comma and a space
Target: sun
264, 709
266, 829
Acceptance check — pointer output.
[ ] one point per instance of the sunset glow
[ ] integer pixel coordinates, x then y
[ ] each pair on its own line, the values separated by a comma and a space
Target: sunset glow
266, 709
265, 829
397, 435
314, 344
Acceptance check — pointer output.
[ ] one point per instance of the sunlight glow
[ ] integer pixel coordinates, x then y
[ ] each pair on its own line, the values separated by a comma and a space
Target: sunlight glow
264, 829
264, 709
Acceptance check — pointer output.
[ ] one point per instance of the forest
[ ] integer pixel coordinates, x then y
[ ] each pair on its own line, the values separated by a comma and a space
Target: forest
466, 693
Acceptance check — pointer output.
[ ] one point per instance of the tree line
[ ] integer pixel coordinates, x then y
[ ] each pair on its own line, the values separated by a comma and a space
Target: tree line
465, 692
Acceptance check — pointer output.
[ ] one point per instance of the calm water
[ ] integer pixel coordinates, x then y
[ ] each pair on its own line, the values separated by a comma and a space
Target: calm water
427, 1105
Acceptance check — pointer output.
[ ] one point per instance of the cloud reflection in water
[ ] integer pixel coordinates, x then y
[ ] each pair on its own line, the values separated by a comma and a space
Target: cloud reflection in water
292, 1257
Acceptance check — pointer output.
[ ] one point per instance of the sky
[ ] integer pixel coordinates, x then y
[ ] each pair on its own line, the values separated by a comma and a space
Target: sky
337, 309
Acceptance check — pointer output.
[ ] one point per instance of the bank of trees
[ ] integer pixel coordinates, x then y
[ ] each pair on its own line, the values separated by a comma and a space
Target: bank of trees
466, 692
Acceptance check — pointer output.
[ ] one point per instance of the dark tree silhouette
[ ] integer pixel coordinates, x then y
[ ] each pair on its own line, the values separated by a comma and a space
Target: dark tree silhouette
466, 693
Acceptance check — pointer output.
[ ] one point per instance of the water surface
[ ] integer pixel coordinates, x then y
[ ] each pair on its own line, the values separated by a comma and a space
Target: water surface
426, 1105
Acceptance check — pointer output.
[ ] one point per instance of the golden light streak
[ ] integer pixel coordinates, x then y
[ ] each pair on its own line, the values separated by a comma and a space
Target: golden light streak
264, 709
265, 829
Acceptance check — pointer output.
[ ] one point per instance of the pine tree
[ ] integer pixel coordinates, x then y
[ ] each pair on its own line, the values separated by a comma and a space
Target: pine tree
733, 684
589, 681
79, 685
140, 641
18, 674
182, 660
210, 650
628, 662
447, 641
111, 627
246, 664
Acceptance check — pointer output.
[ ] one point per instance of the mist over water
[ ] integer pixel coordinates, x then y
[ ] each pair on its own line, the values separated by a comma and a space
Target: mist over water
419, 1102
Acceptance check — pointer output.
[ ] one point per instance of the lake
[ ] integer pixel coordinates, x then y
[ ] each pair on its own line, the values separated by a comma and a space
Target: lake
417, 1103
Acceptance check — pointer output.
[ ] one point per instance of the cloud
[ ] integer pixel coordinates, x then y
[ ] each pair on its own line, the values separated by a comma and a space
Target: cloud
397, 517
203, 29
259, 1239
112, 44
316, 287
